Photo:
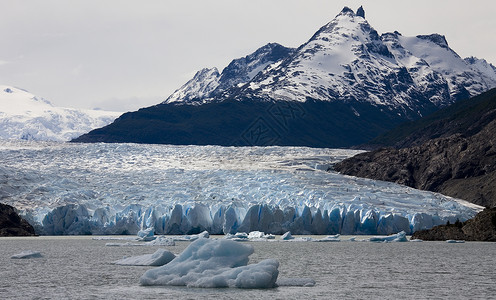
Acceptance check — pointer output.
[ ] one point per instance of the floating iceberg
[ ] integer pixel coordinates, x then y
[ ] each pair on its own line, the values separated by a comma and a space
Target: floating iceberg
159, 258
287, 236
399, 237
455, 241
146, 234
329, 238
306, 282
161, 241
214, 263
27, 254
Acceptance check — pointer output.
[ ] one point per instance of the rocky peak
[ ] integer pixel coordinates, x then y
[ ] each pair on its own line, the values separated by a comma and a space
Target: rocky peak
361, 12
346, 11
438, 39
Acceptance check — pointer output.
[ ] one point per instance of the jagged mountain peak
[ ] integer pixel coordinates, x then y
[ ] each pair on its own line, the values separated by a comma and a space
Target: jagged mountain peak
209, 83
437, 39
361, 12
347, 11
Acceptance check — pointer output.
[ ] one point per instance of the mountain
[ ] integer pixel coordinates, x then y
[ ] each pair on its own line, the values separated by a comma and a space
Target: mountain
343, 87
208, 82
28, 117
454, 153
465, 117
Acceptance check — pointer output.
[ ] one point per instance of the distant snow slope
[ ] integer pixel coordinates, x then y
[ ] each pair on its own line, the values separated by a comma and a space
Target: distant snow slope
28, 117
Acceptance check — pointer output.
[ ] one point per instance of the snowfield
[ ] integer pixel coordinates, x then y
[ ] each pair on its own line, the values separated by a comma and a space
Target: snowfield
68, 188
25, 116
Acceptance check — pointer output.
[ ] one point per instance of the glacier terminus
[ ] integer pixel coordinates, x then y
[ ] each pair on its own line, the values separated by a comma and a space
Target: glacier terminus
71, 188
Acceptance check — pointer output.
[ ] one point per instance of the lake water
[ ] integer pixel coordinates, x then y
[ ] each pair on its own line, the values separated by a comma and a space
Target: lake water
79, 267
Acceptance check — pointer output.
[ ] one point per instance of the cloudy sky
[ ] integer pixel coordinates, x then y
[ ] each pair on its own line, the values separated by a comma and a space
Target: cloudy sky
122, 55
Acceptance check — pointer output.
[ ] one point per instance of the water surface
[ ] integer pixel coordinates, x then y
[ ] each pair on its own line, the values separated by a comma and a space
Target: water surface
81, 268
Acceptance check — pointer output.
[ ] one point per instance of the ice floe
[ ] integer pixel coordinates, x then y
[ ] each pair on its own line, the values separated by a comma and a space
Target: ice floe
399, 237
158, 258
27, 254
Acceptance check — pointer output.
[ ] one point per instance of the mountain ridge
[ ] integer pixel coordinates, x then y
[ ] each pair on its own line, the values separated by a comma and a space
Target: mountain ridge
347, 64
25, 116
460, 162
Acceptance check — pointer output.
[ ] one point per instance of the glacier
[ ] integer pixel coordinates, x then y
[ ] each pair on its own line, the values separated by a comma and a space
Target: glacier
71, 188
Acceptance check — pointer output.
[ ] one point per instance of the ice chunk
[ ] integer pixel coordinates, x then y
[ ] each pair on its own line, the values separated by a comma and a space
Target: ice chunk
329, 238
307, 282
159, 258
191, 237
214, 263
399, 237
287, 236
161, 241
146, 234
239, 236
260, 236
27, 254
122, 244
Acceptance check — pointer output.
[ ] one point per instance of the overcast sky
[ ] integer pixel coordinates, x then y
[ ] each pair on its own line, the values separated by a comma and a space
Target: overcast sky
122, 55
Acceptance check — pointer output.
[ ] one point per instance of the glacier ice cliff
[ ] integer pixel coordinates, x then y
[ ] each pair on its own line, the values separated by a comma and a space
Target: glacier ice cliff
124, 188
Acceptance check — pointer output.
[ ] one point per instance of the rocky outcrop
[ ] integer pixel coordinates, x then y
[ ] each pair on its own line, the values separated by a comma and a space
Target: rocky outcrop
11, 224
455, 166
481, 228
461, 165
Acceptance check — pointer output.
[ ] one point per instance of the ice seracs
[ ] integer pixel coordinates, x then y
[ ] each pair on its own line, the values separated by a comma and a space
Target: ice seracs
186, 190
212, 264
28, 117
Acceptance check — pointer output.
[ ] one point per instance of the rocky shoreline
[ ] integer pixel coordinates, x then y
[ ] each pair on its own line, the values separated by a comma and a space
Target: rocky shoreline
481, 228
11, 224
452, 152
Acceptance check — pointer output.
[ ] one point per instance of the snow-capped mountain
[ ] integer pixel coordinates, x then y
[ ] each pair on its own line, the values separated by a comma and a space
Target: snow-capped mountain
348, 60
208, 82
28, 117
346, 85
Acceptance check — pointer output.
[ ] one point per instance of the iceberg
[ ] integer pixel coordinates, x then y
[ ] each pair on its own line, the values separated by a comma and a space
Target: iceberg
287, 236
146, 234
161, 241
329, 238
158, 258
211, 263
455, 241
305, 282
27, 254
399, 237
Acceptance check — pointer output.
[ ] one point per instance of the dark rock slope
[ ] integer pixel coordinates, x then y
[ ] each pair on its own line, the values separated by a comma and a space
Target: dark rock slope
461, 165
480, 228
11, 224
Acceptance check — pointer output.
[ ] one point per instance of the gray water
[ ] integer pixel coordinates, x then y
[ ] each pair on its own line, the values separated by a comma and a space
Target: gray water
81, 268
